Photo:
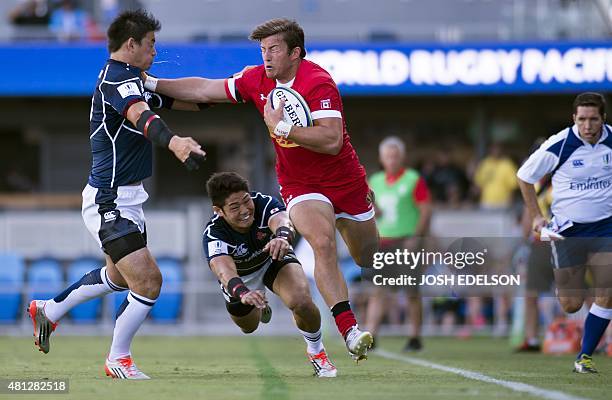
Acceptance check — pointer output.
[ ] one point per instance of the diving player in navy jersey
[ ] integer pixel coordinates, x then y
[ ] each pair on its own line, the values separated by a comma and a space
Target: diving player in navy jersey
122, 127
248, 246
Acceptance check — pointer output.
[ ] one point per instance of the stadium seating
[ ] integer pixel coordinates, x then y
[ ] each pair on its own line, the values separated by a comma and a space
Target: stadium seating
87, 312
12, 269
45, 279
168, 305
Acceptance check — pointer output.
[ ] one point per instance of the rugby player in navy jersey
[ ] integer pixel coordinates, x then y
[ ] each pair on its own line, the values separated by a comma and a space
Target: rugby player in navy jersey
248, 246
122, 131
579, 159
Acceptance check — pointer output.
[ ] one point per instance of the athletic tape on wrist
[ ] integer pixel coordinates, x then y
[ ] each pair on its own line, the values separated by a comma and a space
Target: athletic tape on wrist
282, 129
150, 83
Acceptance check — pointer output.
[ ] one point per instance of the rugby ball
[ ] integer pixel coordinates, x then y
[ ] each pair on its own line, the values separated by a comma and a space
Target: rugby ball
296, 110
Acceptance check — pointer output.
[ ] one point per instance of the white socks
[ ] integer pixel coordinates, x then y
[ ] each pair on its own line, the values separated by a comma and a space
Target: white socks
93, 284
130, 316
314, 341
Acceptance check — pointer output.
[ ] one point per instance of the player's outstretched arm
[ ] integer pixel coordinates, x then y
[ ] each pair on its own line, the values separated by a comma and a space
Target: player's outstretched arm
187, 150
284, 235
325, 137
224, 267
192, 90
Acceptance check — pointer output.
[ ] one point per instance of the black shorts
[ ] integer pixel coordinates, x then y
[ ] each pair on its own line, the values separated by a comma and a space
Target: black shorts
580, 241
258, 280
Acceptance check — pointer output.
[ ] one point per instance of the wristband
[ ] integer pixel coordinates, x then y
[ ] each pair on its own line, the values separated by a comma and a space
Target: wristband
282, 129
151, 83
284, 232
237, 288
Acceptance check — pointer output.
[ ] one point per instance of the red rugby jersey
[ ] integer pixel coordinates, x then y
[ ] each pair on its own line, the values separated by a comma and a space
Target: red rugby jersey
296, 165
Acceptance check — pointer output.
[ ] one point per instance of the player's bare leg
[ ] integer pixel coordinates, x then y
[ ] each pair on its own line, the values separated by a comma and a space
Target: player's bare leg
248, 323
415, 315
315, 221
291, 285
361, 238
144, 279
375, 311
113, 273
570, 287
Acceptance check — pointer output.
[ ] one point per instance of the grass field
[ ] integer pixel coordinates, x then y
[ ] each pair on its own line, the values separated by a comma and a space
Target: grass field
276, 368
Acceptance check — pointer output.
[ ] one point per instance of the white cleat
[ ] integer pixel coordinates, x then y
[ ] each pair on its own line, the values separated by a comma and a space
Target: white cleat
123, 368
358, 343
323, 368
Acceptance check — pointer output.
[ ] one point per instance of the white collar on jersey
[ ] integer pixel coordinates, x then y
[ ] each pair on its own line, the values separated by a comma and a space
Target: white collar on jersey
287, 85
602, 137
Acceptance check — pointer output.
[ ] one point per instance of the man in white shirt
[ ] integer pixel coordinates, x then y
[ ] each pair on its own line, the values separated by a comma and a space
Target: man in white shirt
579, 158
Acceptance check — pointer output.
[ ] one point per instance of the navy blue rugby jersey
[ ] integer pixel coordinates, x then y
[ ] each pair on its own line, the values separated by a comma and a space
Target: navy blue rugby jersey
245, 248
121, 155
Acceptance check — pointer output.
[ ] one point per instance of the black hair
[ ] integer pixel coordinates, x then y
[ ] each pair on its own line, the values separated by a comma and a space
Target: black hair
223, 184
130, 24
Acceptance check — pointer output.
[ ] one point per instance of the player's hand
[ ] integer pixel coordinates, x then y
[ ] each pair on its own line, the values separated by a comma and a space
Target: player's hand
188, 151
278, 248
538, 223
273, 117
255, 298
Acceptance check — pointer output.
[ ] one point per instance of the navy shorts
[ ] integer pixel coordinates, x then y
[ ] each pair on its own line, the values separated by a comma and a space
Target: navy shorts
580, 241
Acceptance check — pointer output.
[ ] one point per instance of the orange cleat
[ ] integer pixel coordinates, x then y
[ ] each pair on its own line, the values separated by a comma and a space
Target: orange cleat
43, 326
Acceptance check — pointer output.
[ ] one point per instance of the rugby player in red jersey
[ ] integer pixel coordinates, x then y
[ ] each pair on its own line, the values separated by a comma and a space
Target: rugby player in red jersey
321, 180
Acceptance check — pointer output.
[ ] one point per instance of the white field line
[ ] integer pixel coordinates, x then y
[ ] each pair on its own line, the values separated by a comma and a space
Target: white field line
516, 386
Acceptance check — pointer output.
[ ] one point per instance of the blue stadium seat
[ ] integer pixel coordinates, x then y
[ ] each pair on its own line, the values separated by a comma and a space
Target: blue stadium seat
168, 305
45, 279
87, 312
12, 271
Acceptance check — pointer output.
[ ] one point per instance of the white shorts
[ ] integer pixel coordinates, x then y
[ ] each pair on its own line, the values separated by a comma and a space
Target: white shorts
112, 213
365, 216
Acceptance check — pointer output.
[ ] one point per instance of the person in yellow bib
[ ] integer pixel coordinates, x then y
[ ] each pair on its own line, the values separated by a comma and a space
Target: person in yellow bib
495, 177
403, 209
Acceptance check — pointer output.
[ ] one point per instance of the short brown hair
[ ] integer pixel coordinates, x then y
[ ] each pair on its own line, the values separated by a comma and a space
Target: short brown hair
293, 34
591, 99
